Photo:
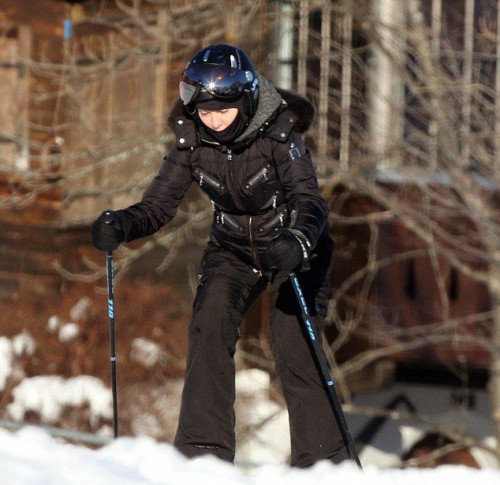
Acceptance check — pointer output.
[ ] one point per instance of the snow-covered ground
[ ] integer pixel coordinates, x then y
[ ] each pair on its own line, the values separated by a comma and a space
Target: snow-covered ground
30, 456
33, 456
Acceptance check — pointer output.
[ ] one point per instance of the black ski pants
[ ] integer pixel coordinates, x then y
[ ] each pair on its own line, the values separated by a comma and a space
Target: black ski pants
227, 287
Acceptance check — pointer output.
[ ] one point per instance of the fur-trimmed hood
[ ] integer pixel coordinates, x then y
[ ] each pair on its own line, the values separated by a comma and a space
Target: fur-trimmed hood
271, 101
301, 107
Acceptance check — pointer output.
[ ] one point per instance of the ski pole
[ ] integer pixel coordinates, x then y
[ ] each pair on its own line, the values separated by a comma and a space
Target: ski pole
323, 370
111, 315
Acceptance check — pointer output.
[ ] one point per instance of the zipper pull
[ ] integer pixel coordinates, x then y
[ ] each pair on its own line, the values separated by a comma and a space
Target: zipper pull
281, 219
217, 214
275, 198
222, 217
229, 155
201, 179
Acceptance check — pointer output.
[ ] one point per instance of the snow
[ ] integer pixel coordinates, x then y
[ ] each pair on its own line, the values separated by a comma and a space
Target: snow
146, 352
30, 456
33, 456
269, 441
81, 309
49, 395
6, 361
23, 343
53, 323
69, 331
10, 348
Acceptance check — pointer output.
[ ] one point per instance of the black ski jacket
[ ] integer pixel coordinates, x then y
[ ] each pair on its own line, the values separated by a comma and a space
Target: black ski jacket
263, 182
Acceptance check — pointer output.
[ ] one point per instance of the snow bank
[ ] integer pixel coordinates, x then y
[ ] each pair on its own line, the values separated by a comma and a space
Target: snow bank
20, 344
49, 395
31, 457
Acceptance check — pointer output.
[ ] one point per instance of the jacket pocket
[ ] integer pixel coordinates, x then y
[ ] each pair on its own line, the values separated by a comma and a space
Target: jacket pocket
261, 175
229, 221
278, 221
206, 180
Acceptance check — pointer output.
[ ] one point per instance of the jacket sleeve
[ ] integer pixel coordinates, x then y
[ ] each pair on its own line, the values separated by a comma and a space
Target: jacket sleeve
160, 200
301, 189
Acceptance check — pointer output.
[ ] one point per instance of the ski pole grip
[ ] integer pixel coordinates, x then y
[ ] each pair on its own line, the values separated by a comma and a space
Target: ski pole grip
108, 217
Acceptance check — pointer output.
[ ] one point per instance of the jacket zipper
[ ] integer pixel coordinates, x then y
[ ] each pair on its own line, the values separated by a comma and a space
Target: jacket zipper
255, 253
226, 219
280, 217
261, 174
209, 180
272, 202
232, 182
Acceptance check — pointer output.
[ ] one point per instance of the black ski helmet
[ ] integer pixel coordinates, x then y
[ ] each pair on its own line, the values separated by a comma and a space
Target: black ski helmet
221, 72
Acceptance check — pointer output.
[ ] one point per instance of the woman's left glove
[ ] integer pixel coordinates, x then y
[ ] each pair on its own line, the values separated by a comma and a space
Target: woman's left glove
285, 253
107, 231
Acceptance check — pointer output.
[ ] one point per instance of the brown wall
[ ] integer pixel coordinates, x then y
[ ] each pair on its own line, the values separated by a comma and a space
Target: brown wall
38, 27
404, 294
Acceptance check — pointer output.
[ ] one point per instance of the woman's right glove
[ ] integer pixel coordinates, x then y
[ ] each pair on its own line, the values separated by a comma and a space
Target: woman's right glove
285, 253
107, 232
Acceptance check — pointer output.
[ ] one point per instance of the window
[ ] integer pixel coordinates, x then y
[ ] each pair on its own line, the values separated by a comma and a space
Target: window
14, 98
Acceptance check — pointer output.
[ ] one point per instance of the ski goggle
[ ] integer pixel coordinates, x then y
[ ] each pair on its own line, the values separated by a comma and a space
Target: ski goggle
220, 82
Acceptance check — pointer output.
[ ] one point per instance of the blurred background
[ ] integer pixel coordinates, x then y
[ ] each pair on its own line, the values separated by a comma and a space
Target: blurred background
406, 144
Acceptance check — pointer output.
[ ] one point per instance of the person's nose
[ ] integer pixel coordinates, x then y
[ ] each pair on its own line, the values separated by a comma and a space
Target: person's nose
216, 121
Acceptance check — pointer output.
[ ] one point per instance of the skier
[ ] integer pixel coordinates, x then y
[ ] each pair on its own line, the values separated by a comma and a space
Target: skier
240, 139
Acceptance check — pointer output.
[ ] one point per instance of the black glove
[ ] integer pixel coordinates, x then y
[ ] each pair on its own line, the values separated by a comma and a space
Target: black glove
107, 232
285, 253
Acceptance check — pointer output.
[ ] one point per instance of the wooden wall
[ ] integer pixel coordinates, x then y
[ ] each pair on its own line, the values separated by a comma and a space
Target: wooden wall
409, 296
35, 33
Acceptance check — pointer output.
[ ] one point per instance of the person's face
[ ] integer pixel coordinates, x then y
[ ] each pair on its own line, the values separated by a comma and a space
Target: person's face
218, 120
